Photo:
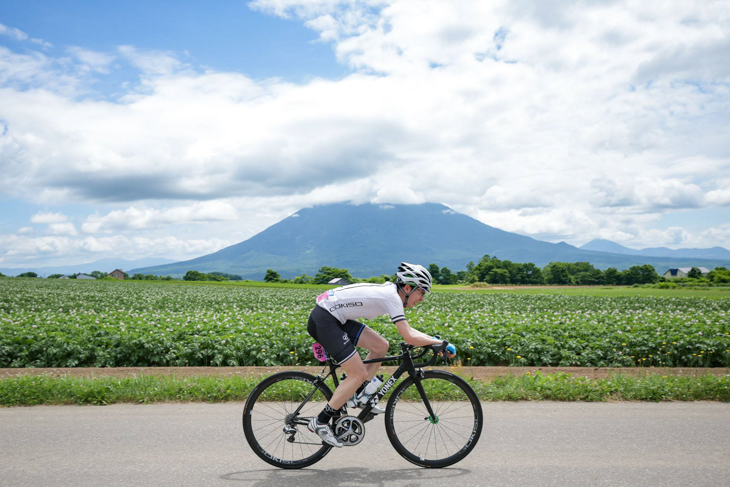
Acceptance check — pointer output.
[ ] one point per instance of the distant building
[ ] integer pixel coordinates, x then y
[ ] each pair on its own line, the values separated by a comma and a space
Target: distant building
64, 277
117, 274
339, 282
684, 272
84, 276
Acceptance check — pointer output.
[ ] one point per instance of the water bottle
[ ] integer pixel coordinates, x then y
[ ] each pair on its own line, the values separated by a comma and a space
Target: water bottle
370, 389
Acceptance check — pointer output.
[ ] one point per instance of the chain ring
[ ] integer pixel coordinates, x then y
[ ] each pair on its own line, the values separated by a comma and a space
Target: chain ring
349, 430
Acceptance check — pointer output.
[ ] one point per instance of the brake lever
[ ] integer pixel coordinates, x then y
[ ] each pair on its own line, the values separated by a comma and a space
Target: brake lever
445, 356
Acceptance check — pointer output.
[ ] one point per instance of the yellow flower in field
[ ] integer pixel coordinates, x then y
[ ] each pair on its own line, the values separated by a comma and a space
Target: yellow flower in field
519, 356
650, 356
527, 373
664, 376
694, 354
633, 356
674, 343
263, 349
623, 344
509, 349
664, 343
291, 352
468, 358
643, 359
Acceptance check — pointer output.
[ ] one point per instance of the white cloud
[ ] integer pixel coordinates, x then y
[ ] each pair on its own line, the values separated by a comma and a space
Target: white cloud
150, 218
678, 237
41, 43
67, 228
13, 33
48, 218
646, 193
152, 62
19, 35
528, 195
92, 60
18, 72
41, 250
721, 195
556, 224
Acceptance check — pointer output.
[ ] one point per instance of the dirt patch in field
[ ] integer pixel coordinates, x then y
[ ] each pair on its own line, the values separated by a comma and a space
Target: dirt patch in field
482, 373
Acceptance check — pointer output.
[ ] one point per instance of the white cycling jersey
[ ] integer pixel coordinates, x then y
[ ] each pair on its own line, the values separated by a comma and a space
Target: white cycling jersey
363, 301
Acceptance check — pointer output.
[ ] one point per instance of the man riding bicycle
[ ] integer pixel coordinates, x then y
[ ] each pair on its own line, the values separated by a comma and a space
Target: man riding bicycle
333, 324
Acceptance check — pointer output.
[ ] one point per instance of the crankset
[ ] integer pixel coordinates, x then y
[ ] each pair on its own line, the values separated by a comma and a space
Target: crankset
349, 430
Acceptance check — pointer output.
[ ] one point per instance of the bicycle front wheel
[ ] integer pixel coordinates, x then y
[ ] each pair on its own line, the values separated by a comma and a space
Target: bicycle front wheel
440, 441
275, 419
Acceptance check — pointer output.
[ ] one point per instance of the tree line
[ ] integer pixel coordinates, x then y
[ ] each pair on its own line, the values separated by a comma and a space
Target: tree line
213, 276
492, 270
324, 275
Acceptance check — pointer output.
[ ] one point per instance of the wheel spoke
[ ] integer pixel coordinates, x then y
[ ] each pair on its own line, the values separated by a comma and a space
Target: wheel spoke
266, 420
438, 430
442, 438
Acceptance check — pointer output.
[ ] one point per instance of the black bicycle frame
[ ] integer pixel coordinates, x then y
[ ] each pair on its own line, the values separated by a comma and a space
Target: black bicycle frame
407, 365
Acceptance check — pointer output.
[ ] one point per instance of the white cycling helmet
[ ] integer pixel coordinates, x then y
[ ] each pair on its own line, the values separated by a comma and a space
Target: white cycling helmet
415, 275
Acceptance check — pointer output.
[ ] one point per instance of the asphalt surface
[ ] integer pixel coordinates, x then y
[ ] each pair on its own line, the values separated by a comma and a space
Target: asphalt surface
562, 444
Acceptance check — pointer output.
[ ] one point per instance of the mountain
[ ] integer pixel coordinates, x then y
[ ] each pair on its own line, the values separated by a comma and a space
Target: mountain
600, 245
105, 265
371, 240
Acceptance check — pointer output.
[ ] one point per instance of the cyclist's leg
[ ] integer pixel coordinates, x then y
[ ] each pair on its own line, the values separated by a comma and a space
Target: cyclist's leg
377, 345
338, 340
356, 375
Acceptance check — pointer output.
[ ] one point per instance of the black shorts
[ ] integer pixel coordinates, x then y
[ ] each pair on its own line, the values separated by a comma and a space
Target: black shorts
337, 339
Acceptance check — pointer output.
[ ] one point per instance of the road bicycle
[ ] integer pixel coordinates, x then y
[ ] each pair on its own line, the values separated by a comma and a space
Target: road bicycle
433, 418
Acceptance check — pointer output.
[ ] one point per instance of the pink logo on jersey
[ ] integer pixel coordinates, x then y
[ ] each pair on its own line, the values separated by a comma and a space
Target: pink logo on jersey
325, 295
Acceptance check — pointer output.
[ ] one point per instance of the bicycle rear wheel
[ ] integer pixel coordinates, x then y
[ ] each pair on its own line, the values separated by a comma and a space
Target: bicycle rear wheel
274, 429
441, 441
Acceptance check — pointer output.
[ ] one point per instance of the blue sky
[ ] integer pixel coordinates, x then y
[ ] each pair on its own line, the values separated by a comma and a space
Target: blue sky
226, 35
172, 129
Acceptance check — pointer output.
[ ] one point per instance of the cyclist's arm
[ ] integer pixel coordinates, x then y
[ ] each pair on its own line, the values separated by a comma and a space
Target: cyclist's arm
414, 337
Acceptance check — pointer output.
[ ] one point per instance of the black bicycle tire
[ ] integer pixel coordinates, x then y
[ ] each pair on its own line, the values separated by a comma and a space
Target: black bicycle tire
392, 434
250, 406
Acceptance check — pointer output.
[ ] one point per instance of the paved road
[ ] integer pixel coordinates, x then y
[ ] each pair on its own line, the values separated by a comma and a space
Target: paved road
562, 444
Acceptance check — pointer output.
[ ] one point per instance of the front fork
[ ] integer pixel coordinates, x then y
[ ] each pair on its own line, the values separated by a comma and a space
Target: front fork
417, 377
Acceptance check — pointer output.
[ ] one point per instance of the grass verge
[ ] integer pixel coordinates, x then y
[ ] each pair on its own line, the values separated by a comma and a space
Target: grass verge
48, 390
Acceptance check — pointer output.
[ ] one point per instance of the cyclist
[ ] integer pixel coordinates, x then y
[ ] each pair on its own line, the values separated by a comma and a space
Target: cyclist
332, 323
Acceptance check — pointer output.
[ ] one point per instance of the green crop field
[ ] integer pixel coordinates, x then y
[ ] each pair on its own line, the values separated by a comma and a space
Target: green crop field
51, 323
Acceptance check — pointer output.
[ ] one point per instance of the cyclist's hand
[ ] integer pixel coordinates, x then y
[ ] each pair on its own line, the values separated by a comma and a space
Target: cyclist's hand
447, 347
